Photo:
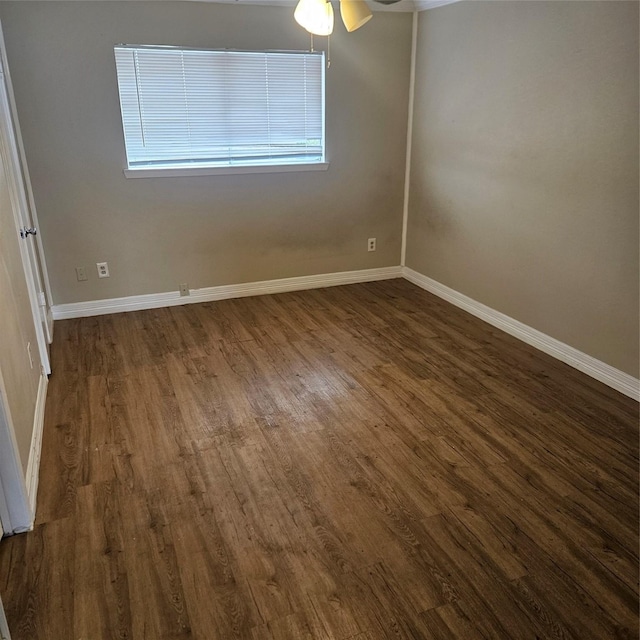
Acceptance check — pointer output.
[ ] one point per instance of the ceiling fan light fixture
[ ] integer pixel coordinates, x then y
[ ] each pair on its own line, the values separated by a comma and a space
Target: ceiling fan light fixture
316, 16
354, 14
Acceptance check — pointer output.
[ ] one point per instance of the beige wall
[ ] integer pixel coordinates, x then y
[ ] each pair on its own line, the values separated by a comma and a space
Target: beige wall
16, 330
156, 233
524, 191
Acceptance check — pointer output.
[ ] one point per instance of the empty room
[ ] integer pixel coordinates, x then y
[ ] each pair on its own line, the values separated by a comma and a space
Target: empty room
319, 320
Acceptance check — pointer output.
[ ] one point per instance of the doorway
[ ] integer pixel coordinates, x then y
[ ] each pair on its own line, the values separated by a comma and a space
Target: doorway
24, 348
25, 213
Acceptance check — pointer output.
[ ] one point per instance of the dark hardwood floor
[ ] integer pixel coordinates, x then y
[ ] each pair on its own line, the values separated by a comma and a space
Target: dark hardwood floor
360, 462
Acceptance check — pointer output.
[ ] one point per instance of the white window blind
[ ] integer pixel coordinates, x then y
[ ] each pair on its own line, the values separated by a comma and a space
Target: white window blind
199, 108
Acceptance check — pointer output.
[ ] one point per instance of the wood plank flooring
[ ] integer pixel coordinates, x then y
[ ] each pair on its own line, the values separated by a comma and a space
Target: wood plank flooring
356, 463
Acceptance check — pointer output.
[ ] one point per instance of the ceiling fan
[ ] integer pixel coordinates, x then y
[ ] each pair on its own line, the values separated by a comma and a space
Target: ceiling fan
316, 16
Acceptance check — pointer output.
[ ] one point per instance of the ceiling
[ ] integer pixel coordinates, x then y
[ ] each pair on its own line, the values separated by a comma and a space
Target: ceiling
403, 5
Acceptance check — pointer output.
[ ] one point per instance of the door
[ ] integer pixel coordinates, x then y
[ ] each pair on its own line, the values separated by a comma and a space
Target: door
22, 377
4, 627
16, 514
22, 196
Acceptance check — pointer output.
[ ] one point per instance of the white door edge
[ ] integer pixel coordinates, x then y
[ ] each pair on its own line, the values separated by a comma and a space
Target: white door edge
17, 516
4, 627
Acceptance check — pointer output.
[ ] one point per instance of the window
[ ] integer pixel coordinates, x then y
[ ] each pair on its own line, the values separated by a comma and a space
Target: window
192, 110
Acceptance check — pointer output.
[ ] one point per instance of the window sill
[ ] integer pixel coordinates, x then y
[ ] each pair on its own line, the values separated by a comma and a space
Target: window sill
175, 172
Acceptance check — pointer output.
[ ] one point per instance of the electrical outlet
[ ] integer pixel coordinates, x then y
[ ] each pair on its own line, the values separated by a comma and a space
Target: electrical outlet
81, 274
371, 244
184, 289
29, 354
103, 269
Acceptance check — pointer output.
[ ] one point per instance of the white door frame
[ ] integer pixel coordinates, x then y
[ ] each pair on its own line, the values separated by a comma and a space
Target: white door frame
15, 508
16, 183
4, 627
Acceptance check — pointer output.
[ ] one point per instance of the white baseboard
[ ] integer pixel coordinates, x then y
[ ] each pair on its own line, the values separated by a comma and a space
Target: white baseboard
33, 465
208, 294
597, 369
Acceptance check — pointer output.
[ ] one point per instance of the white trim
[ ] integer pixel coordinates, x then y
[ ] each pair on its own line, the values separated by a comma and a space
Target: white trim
407, 166
178, 172
5, 516
4, 627
50, 324
222, 292
33, 465
16, 514
612, 377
